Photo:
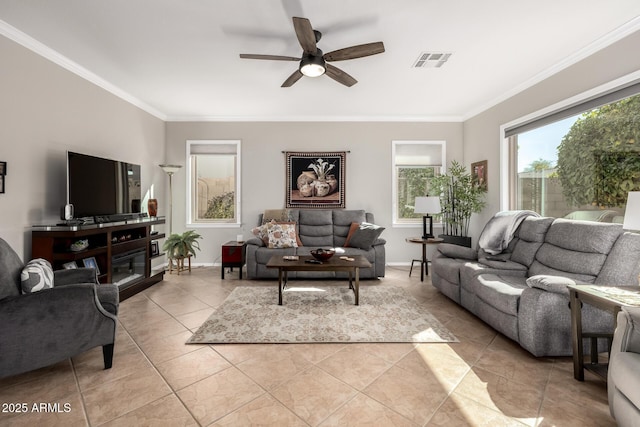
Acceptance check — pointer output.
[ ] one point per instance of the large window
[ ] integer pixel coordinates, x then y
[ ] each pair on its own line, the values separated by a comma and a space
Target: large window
414, 162
580, 162
213, 196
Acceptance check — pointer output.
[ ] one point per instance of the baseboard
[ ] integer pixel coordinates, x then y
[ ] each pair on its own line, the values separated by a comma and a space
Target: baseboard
193, 264
219, 264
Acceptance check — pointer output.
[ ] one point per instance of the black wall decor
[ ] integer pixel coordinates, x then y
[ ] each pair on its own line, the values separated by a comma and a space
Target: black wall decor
315, 179
3, 173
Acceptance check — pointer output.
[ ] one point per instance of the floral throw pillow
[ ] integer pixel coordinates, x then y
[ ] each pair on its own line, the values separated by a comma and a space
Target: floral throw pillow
282, 236
293, 224
262, 233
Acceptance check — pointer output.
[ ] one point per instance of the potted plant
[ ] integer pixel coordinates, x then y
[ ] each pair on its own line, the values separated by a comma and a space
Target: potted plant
180, 246
460, 196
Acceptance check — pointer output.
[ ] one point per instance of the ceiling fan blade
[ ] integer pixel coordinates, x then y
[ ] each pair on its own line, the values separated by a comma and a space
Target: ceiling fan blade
340, 76
270, 57
355, 52
305, 34
297, 75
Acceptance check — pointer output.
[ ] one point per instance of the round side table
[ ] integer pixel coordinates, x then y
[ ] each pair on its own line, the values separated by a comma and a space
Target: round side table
424, 262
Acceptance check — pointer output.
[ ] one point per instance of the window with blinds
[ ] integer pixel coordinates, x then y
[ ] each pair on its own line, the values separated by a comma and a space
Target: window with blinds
213, 170
579, 162
414, 163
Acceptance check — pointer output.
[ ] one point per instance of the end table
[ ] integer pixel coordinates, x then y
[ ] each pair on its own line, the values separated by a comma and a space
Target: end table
424, 262
233, 255
609, 298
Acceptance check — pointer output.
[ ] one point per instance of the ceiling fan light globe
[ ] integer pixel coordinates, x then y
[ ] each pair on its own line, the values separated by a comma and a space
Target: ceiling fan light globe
312, 70
313, 65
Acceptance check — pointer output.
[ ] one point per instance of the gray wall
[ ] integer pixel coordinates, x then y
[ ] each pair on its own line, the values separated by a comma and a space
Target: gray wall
368, 169
46, 110
482, 137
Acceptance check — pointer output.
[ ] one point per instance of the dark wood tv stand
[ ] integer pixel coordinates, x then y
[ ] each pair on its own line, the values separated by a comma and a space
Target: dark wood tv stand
106, 241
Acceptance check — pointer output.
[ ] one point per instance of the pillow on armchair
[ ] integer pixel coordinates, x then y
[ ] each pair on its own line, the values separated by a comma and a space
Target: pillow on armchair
36, 276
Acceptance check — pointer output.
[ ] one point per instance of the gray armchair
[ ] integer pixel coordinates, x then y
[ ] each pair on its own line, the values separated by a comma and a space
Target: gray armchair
624, 369
45, 327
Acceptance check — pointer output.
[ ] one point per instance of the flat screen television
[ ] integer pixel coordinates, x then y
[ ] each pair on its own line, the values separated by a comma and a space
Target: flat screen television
102, 187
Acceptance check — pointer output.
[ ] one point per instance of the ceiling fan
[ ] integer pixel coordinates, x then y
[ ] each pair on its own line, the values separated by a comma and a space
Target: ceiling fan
313, 62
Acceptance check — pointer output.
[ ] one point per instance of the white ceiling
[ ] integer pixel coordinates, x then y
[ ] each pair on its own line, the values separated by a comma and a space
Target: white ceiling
178, 59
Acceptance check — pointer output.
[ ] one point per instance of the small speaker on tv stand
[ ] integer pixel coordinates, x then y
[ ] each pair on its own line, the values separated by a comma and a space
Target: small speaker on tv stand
66, 212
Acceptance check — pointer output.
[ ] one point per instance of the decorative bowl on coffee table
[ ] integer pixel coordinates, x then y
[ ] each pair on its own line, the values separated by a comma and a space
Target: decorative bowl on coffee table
322, 254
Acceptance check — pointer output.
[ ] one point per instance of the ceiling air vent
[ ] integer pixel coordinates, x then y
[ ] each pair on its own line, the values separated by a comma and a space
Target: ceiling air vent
431, 60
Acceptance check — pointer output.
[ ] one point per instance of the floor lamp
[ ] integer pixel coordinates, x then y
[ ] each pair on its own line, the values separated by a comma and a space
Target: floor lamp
170, 170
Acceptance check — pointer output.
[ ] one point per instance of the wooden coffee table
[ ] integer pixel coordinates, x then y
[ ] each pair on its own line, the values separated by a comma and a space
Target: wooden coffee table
333, 264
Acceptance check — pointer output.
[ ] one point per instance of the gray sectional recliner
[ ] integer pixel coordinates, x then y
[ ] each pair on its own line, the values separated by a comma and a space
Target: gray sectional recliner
317, 228
521, 292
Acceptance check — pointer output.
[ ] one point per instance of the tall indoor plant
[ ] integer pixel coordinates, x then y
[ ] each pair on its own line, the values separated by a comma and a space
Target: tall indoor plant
460, 196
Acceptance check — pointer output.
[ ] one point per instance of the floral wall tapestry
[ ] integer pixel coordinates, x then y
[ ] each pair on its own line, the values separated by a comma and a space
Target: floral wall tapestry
315, 179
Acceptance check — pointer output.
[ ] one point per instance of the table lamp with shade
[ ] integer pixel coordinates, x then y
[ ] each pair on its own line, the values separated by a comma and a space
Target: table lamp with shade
427, 205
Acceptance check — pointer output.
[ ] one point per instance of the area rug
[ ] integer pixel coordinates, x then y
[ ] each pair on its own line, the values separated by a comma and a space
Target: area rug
320, 315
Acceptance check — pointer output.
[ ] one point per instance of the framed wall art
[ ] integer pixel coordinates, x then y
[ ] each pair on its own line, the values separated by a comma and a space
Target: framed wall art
479, 174
315, 179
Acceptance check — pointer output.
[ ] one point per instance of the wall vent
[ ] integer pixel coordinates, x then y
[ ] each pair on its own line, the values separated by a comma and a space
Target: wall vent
431, 60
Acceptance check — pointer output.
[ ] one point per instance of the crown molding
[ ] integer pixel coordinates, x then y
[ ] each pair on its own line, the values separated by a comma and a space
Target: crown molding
45, 51
41, 49
406, 119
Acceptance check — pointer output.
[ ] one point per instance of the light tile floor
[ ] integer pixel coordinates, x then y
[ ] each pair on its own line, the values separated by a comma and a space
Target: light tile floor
157, 380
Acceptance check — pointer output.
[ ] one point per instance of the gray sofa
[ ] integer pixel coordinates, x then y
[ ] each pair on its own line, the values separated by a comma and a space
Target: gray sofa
521, 292
47, 326
326, 228
624, 369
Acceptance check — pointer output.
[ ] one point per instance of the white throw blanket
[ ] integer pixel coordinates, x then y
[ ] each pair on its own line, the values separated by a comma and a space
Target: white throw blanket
499, 231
